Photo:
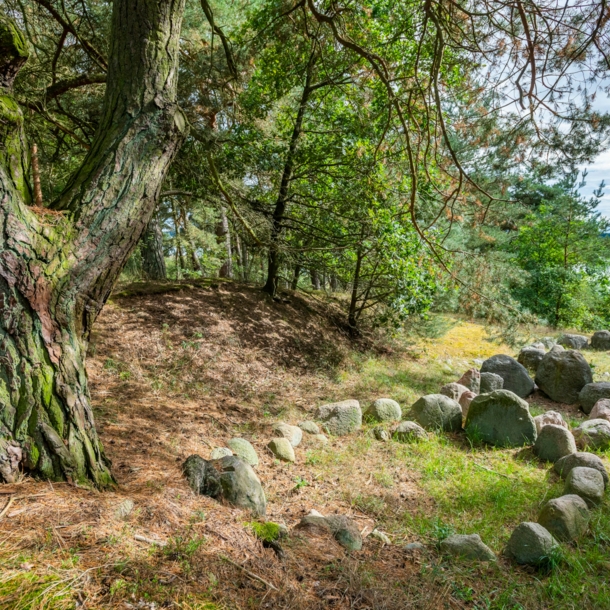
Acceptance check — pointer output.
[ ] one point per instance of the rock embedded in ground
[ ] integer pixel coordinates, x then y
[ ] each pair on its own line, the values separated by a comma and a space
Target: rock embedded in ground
409, 432
467, 546
465, 399
547, 342
601, 410
587, 483
437, 412
471, 379
384, 409
573, 341
342, 528
320, 439
554, 442
282, 449
593, 392
294, 434
381, 434
549, 417
341, 418
490, 382
593, 434
530, 544
515, 375
310, 427
220, 452
601, 340
566, 518
243, 450
530, 357
453, 390
563, 374
501, 418
228, 478
564, 466
381, 536
124, 509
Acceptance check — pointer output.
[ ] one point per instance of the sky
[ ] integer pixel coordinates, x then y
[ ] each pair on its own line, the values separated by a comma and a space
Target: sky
598, 171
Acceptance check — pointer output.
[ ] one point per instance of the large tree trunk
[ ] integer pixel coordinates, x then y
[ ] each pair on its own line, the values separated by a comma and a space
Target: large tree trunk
57, 271
153, 261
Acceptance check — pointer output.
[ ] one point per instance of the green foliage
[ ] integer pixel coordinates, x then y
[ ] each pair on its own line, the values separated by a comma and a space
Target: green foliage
267, 531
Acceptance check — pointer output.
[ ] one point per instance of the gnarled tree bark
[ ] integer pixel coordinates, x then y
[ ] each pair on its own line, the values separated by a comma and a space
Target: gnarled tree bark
57, 269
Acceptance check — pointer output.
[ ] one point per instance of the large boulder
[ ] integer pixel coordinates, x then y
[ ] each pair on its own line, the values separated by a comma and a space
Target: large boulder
530, 544
563, 374
593, 392
437, 412
471, 379
566, 518
243, 450
601, 340
490, 382
593, 434
501, 418
342, 528
574, 341
467, 546
228, 478
587, 483
409, 432
293, 434
553, 443
530, 357
384, 409
341, 418
454, 390
564, 466
601, 410
515, 375
282, 449
549, 417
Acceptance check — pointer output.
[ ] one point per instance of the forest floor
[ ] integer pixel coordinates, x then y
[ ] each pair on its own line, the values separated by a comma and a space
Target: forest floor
176, 370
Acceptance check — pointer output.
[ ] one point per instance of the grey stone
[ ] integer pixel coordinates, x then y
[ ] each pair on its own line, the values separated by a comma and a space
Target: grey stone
228, 478
343, 529
601, 410
573, 341
310, 427
491, 382
530, 357
454, 390
220, 452
472, 380
381, 536
409, 432
587, 483
566, 518
381, 434
563, 374
341, 418
601, 340
243, 450
124, 509
384, 409
530, 543
294, 434
414, 547
282, 449
588, 460
553, 443
501, 418
547, 342
549, 417
468, 546
593, 434
320, 439
515, 375
437, 412
593, 392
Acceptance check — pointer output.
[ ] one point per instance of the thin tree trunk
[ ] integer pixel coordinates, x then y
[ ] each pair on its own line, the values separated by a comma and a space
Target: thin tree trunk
180, 265
190, 244
153, 260
295, 277
352, 318
226, 270
315, 279
56, 272
36, 177
333, 283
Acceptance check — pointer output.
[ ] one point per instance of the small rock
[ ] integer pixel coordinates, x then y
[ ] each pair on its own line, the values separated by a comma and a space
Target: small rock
468, 546
553, 443
564, 466
320, 439
530, 543
437, 412
310, 427
282, 449
530, 357
550, 417
491, 382
124, 509
515, 375
601, 340
472, 380
454, 390
587, 483
547, 342
465, 399
341, 418
563, 374
409, 432
294, 434
566, 518
601, 410
220, 452
384, 409
414, 547
381, 434
243, 450
593, 392
381, 536
593, 434
343, 529
574, 341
